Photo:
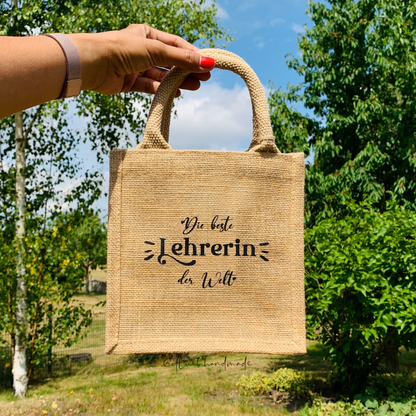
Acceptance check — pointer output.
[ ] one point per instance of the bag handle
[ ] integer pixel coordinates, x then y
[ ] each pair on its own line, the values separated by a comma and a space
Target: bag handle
168, 107
156, 134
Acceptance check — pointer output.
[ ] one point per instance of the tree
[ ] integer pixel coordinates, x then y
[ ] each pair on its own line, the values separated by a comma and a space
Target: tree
358, 69
40, 141
290, 128
53, 275
90, 241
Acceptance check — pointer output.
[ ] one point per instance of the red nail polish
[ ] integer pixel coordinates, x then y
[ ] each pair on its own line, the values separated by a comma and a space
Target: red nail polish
207, 62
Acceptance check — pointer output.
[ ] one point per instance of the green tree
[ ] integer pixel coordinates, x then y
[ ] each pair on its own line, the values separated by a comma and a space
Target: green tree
53, 274
89, 240
358, 72
37, 145
358, 65
290, 128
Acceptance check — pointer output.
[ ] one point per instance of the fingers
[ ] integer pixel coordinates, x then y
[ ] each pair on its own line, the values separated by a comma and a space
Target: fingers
159, 73
168, 39
150, 80
165, 55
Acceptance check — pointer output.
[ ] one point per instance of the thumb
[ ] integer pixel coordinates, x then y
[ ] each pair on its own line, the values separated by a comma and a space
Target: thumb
184, 58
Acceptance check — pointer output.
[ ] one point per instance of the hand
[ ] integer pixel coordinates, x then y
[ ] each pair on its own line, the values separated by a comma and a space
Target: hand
137, 59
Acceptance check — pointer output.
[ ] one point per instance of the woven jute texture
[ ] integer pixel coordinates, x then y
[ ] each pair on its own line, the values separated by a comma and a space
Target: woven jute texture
205, 248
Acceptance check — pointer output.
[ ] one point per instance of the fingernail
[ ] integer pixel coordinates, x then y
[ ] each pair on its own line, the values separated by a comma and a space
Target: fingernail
207, 62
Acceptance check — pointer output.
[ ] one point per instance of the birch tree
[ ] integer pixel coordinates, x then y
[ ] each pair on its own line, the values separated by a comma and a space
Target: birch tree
20, 378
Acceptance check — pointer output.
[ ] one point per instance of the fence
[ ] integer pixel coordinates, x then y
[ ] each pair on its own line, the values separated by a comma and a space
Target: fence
66, 361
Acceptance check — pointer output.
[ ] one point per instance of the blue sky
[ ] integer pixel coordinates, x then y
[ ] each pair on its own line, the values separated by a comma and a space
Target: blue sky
266, 31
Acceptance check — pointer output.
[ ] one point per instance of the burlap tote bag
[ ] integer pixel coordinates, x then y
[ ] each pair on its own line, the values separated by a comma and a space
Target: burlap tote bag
205, 248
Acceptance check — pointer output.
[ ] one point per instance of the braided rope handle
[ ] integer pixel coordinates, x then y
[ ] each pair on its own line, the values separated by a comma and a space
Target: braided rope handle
156, 134
168, 107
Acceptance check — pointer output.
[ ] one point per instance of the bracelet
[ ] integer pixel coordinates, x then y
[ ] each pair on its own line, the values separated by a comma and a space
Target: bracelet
73, 81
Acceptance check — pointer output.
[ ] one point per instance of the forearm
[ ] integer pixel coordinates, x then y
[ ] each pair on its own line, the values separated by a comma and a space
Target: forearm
32, 72
32, 69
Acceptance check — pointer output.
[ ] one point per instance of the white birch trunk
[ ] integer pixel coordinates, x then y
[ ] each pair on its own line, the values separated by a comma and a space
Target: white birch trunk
20, 375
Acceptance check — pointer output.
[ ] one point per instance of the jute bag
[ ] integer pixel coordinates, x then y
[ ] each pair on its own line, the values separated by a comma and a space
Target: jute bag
205, 248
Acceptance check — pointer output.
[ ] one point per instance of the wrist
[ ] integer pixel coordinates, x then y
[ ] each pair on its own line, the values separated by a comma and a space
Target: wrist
93, 54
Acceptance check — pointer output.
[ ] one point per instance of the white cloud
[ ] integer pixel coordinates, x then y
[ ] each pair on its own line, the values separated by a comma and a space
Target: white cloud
213, 118
276, 22
298, 28
260, 44
247, 5
221, 12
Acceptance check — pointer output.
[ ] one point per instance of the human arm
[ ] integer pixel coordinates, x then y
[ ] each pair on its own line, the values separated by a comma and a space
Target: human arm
32, 69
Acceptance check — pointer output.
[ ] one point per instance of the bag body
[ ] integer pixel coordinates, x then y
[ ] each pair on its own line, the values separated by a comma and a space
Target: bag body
205, 248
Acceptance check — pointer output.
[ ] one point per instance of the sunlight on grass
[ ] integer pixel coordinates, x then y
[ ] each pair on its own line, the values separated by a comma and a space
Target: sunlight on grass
155, 389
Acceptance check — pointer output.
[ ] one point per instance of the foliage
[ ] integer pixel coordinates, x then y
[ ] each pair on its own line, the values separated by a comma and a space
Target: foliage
53, 277
360, 286
390, 386
358, 75
285, 379
290, 128
359, 408
254, 384
357, 64
51, 140
90, 242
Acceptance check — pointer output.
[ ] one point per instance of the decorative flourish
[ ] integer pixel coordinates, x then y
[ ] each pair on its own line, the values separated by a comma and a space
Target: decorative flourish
264, 251
149, 251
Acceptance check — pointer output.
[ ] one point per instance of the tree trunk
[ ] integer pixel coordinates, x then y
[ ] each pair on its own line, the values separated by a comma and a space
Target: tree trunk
20, 376
87, 275
394, 361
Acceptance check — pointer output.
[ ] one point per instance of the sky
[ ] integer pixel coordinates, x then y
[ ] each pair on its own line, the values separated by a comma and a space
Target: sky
265, 31
218, 116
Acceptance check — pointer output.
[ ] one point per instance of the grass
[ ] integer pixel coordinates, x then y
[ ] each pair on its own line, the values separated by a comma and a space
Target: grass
90, 301
99, 274
157, 390
132, 389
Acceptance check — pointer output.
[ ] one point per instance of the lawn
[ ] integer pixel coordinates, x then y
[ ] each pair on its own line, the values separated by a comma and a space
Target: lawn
154, 388
158, 389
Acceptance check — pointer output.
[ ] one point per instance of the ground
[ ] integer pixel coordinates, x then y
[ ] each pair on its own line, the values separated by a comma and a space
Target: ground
144, 390
155, 388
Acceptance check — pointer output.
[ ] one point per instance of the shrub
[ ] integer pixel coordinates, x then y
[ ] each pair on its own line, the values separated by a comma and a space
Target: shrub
359, 408
285, 379
360, 289
254, 384
292, 381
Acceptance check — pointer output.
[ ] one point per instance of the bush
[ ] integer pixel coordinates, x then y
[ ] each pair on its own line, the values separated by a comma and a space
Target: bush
360, 290
285, 379
359, 408
254, 384
391, 386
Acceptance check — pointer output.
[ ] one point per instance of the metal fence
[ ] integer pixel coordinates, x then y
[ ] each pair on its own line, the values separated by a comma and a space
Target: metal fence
63, 361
